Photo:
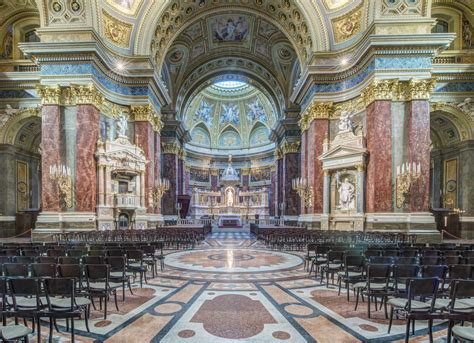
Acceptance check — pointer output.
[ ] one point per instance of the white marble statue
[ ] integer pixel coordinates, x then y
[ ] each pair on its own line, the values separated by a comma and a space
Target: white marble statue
122, 125
467, 106
345, 123
230, 198
346, 195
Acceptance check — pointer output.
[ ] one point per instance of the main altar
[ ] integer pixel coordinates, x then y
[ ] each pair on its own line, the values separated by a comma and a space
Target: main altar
231, 204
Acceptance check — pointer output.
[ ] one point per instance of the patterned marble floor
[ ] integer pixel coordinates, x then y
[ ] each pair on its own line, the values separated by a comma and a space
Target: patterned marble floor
232, 289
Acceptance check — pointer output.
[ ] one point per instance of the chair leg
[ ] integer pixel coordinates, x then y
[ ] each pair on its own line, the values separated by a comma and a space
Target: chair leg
50, 329
123, 290
385, 306
391, 319
368, 306
340, 285
105, 307
86, 318
407, 332
357, 299
450, 329
430, 329
347, 289
130, 286
38, 339
72, 329
413, 326
115, 298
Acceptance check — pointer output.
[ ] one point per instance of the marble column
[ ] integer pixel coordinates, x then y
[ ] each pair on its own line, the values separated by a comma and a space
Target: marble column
419, 142
290, 168
280, 185
379, 168
245, 172
214, 179
304, 161
187, 180
86, 167
157, 166
51, 155
180, 175
145, 139
360, 189
101, 182
326, 192
170, 171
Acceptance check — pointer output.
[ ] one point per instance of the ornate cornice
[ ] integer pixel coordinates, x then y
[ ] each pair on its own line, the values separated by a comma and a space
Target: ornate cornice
396, 90
316, 110
49, 95
148, 114
278, 154
182, 154
214, 171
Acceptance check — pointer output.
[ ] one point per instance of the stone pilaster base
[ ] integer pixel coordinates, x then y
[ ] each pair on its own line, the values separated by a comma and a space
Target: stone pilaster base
50, 223
7, 226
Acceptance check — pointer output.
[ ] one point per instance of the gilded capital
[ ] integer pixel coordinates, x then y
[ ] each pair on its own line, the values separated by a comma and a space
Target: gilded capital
420, 89
214, 171
380, 90
290, 147
148, 114
317, 110
181, 154
170, 148
360, 167
278, 154
245, 171
49, 95
84, 95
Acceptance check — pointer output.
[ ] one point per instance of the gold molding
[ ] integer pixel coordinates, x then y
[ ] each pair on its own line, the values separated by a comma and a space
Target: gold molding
278, 154
347, 25
181, 154
316, 110
379, 90
71, 95
214, 171
49, 95
419, 89
245, 171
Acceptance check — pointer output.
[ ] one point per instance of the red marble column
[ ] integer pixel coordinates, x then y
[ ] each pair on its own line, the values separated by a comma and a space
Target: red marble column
187, 181
145, 139
51, 145
86, 169
180, 176
290, 167
379, 168
157, 166
419, 152
170, 171
245, 181
304, 159
319, 130
280, 184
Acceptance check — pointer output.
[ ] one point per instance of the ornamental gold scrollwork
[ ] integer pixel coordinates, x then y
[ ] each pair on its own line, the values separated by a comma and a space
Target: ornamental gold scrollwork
147, 113
316, 110
289, 147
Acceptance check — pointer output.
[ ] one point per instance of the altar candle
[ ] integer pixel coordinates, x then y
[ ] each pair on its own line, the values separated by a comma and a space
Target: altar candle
446, 221
403, 168
398, 170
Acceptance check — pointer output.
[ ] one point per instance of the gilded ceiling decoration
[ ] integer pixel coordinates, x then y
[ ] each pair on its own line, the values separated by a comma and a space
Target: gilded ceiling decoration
116, 31
348, 25
336, 4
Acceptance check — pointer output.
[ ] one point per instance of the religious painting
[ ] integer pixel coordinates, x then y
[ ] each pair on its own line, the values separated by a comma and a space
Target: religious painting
230, 114
204, 113
198, 175
266, 29
230, 28
259, 175
194, 31
255, 111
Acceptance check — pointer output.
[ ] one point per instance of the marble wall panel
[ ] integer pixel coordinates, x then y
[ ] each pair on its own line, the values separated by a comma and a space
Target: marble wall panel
180, 176
280, 183
419, 142
466, 183
379, 168
310, 158
272, 196
304, 158
157, 165
50, 142
86, 169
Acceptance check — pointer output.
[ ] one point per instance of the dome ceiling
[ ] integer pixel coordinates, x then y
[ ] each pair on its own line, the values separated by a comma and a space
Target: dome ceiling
230, 115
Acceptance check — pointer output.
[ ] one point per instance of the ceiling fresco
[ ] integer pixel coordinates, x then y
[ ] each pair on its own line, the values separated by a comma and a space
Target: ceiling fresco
230, 114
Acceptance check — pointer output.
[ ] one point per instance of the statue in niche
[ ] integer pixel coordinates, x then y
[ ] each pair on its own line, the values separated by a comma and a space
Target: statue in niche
230, 198
345, 122
346, 192
122, 125
467, 34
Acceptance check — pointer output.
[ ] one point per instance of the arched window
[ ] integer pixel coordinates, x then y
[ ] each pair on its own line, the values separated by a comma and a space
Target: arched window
440, 27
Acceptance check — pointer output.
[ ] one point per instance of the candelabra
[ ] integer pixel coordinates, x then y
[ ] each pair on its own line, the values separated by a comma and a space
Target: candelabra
62, 175
304, 191
407, 174
157, 192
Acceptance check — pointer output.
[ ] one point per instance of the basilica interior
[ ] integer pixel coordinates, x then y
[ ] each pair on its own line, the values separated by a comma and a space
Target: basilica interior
223, 170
